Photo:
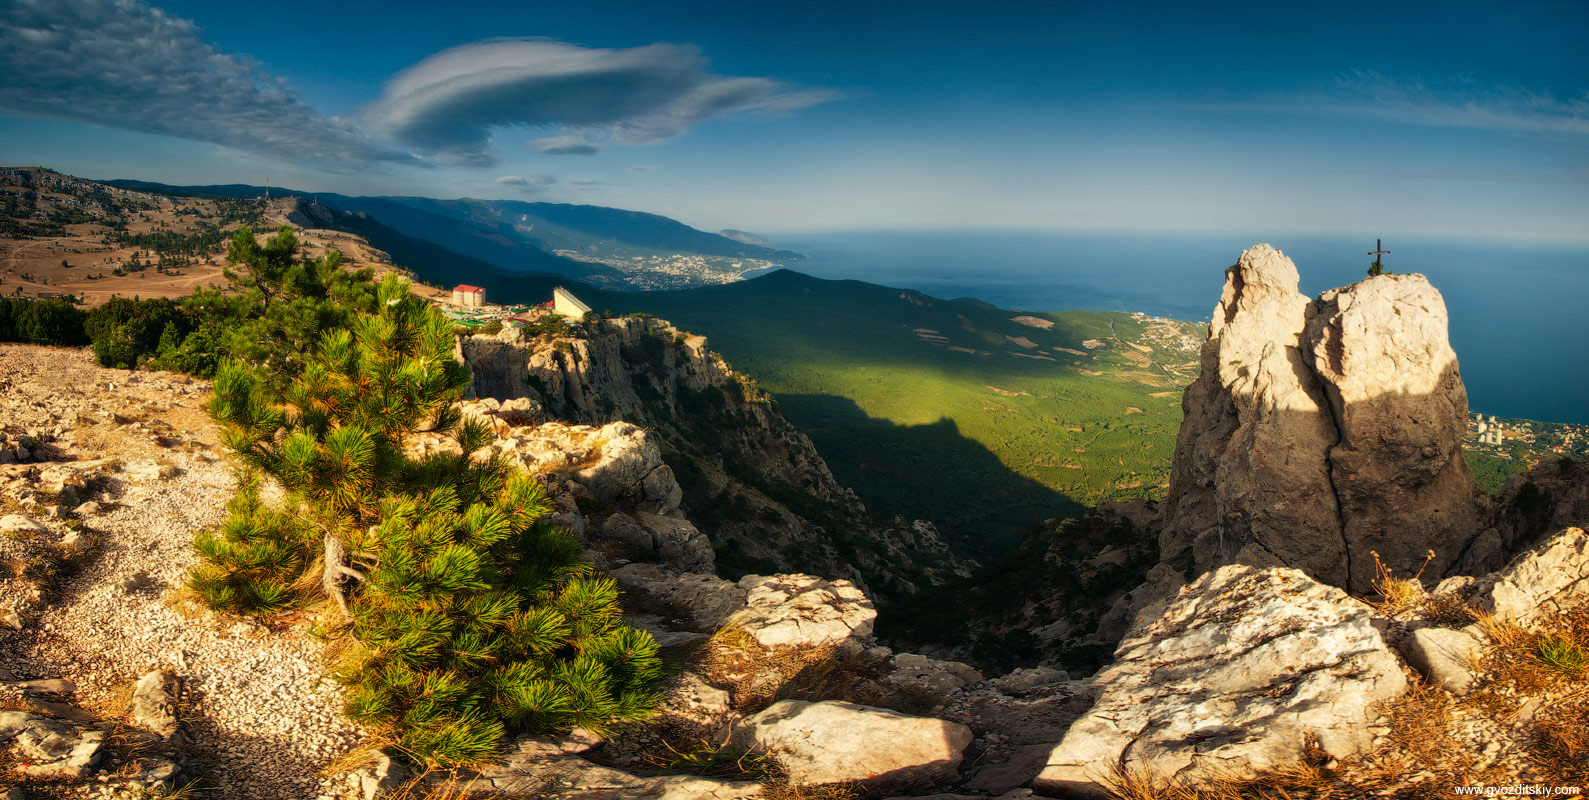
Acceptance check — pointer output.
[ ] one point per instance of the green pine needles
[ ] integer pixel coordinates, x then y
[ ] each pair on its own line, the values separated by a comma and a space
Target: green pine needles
473, 615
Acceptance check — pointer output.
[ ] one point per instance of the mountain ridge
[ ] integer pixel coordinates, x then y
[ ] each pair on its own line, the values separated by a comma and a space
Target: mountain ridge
617, 248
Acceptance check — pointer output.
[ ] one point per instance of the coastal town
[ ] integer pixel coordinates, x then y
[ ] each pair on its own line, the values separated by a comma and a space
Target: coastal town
1525, 440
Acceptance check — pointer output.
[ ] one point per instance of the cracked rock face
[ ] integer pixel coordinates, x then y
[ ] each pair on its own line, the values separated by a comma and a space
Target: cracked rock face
1240, 672
1322, 431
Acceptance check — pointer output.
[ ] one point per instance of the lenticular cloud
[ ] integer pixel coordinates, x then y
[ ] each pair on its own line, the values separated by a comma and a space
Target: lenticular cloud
122, 64
446, 104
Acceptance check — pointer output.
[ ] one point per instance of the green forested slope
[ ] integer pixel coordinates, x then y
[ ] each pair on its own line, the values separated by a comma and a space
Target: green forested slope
952, 410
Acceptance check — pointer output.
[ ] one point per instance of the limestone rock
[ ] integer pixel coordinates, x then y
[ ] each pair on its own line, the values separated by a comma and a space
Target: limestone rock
834, 741
930, 676
693, 698
1403, 487
1238, 673
678, 543
1025, 680
1250, 480
51, 748
536, 766
154, 703
1537, 504
1541, 582
630, 471
776, 610
1321, 431
710, 600
382, 778
803, 611
17, 526
1442, 655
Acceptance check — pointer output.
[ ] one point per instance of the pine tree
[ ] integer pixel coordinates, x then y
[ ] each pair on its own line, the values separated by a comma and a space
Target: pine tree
474, 615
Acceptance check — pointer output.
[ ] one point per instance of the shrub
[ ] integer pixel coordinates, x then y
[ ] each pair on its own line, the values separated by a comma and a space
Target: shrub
48, 321
473, 615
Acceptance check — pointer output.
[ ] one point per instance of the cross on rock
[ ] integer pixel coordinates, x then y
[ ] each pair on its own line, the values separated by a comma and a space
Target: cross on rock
1379, 249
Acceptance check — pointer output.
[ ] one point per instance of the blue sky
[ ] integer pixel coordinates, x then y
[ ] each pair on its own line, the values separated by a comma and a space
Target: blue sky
1383, 118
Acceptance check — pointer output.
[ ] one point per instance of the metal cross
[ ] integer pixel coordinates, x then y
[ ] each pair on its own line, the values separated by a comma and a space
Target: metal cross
1379, 250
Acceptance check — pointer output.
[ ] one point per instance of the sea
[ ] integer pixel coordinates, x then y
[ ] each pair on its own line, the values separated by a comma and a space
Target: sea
1519, 313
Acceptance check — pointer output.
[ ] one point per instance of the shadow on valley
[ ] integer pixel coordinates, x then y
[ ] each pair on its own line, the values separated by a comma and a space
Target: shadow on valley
928, 472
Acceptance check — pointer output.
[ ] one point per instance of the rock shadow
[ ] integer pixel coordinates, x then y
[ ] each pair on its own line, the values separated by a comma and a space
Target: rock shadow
931, 472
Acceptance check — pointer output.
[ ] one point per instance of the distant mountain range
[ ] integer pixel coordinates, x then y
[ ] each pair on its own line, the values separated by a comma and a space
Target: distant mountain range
606, 247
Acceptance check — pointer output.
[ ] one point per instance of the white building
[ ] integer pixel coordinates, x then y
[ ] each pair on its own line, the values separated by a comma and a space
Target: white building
564, 302
468, 296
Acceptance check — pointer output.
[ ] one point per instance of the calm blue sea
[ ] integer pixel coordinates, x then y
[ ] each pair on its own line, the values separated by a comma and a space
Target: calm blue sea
1518, 313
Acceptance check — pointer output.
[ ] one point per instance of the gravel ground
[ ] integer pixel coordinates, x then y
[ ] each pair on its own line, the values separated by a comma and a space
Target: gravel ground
261, 719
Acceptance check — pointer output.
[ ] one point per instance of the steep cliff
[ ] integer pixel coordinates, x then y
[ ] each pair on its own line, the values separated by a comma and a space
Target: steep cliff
1323, 432
751, 481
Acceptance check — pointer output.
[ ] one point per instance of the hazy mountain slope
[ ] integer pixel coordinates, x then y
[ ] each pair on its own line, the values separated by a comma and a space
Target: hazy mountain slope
577, 227
430, 262
951, 410
608, 246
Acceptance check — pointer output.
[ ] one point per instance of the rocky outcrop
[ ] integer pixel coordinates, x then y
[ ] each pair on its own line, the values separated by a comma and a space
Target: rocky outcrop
1240, 673
537, 767
829, 742
50, 749
1540, 583
1553, 495
775, 610
1320, 432
1403, 488
752, 482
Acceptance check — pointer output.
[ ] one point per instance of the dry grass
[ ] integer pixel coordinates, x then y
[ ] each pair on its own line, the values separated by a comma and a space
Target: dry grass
1398, 595
1288, 783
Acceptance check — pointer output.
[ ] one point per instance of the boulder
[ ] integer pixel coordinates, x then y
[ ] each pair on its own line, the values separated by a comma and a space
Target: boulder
537, 767
154, 704
1540, 583
832, 741
929, 676
678, 543
707, 599
776, 610
1240, 672
803, 611
1442, 655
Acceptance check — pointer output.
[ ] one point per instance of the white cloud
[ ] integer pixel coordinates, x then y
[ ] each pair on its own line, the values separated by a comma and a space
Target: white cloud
565, 146
122, 64
447, 104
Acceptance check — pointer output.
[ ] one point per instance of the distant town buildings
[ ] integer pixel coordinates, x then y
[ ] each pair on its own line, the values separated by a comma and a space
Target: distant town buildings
468, 296
564, 302
1489, 431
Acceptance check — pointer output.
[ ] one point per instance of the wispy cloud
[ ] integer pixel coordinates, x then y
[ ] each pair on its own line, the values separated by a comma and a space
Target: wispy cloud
528, 184
122, 64
565, 146
447, 104
1454, 104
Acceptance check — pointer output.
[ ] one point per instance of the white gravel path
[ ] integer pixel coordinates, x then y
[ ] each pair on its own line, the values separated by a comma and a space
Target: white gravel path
261, 718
